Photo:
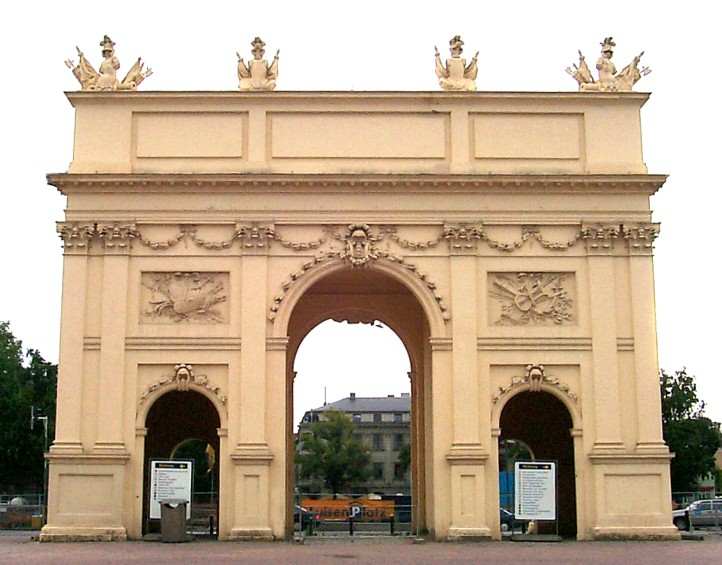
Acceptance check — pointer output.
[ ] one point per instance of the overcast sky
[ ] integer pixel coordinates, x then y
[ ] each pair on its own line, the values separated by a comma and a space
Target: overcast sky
372, 45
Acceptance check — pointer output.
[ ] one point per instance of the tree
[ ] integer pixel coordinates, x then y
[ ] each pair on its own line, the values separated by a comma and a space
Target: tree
26, 380
332, 454
690, 435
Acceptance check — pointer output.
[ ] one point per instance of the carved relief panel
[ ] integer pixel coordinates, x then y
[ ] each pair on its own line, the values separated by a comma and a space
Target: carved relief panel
184, 297
532, 299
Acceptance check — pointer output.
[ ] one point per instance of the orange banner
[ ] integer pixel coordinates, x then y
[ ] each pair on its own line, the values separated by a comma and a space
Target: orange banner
362, 509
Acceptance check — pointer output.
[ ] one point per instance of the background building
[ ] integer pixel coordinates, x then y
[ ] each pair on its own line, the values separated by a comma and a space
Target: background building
383, 425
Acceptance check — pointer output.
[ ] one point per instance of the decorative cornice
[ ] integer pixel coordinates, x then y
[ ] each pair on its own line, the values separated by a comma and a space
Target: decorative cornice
192, 182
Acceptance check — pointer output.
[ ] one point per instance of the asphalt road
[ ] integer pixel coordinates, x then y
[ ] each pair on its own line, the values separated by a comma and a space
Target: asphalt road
18, 548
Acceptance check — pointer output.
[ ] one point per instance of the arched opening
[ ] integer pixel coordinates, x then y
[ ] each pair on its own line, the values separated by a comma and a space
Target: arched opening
538, 424
370, 296
183, 425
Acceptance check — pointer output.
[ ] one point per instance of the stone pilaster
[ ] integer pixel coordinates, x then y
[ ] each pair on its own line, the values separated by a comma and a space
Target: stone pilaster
600, 243
116, 239
76, 238
639, 239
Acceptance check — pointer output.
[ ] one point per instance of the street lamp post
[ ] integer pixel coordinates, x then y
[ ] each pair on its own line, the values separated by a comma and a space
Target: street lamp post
36, 416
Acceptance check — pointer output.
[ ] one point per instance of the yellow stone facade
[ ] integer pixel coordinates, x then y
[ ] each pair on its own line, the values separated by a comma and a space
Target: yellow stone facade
491, 231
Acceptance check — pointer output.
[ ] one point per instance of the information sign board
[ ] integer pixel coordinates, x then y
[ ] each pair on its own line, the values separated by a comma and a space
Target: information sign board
169, 480
535, 493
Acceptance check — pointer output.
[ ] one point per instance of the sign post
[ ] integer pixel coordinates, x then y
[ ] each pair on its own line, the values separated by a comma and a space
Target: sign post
169, 480
535, 491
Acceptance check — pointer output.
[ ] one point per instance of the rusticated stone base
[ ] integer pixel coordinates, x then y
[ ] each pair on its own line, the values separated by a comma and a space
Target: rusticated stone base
79, 534
658, 533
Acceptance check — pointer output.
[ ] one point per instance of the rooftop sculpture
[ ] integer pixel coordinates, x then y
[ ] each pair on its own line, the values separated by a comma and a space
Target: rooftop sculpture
257, 74
455, 74
609, 79
106, 78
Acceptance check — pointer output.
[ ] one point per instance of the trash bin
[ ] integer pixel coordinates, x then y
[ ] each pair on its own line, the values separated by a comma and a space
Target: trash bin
173, 520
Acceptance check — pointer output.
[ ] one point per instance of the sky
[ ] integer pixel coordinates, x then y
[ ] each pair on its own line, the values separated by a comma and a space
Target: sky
373, 45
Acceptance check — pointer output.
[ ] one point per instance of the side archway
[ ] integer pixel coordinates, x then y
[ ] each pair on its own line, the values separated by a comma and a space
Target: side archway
541, 420
177, 417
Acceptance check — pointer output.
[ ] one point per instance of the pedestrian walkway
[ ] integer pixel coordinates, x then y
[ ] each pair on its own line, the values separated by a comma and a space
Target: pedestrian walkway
19, 548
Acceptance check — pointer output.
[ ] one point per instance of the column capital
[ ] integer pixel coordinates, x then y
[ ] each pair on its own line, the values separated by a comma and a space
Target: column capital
463, 239
640, 237
117, 237
76, 236
599, 238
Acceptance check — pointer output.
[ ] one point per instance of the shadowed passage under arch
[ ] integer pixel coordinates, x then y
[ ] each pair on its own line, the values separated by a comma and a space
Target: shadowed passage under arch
174, 419
542, 422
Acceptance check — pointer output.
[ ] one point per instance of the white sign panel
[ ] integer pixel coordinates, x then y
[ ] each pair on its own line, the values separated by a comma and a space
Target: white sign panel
535, 493
170, 479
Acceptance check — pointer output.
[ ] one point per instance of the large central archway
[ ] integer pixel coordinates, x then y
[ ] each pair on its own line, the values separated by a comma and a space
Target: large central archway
364, 295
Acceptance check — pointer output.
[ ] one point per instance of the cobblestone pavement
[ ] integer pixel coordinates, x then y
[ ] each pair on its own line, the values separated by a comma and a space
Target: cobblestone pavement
19, 548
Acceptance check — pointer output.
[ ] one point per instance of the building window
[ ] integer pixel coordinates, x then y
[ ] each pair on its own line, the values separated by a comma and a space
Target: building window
378, 471
378, 442
398, 418
398, 441
356, 418
399, 472
377, 418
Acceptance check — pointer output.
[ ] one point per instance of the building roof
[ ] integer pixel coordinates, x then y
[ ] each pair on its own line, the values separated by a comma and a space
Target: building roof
369, 404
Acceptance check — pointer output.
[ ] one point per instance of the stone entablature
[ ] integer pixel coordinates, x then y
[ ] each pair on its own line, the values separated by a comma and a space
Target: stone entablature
365, 132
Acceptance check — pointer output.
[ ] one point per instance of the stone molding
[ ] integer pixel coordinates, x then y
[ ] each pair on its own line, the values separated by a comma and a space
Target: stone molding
252, 454
504, 183
467, 455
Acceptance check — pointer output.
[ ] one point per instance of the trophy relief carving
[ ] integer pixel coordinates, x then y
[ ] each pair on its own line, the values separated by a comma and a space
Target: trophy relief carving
532, 299
184, 297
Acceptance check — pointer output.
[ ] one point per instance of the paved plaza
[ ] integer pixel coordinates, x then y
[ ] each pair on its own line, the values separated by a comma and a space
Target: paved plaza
20, 548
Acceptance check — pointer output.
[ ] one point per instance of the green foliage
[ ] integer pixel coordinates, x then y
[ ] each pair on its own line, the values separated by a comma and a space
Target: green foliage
26, 380
692, 437
332, 454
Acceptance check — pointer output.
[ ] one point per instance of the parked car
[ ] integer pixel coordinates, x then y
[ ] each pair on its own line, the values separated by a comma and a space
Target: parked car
699, 514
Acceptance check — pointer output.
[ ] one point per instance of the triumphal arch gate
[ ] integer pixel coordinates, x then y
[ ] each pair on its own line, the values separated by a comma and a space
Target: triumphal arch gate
505, 237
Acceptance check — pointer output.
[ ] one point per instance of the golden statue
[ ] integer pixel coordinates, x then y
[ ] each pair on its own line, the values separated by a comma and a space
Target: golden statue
105, 78
455, 74
609, 79
257, 74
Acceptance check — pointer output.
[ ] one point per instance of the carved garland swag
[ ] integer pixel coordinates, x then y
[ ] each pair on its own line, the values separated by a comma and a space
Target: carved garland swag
358, 244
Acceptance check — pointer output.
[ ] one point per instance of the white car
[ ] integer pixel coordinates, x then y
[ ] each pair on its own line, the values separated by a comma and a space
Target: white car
699, 513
